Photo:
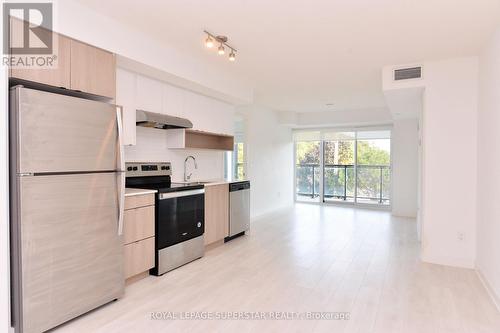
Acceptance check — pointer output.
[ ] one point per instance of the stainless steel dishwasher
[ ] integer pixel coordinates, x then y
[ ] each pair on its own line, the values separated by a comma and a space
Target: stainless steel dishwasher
239, 208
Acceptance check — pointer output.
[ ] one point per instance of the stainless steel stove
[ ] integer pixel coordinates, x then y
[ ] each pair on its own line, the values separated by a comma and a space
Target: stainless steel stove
179, 214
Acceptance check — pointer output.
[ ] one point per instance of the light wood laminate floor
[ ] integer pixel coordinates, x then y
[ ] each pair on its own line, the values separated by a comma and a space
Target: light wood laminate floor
309, 258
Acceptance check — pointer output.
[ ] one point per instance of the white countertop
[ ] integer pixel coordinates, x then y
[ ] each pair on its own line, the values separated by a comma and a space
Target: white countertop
137, 191
210, 182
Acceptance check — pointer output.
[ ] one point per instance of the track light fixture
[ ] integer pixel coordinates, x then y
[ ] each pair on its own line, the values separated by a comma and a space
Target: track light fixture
222, 40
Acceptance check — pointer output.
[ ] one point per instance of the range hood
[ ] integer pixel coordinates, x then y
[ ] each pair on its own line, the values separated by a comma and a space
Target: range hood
160, 121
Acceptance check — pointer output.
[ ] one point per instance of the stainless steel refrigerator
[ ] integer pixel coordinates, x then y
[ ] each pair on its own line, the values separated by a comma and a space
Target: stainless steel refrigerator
67, 192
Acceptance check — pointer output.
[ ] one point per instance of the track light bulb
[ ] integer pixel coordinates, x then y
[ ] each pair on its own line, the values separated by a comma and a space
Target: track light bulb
209, 42
232, 56
221, 50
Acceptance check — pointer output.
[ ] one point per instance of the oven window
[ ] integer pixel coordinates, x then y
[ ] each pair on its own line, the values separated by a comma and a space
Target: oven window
179, 219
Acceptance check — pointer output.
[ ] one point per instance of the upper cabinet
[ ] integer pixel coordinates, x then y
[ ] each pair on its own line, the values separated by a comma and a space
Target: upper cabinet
93, 70
209, 114
125, 96
80, 66
212, 118
57, 77
173, 101
149, 94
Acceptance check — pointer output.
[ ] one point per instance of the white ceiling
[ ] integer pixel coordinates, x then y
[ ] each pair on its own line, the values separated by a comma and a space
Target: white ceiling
300, 55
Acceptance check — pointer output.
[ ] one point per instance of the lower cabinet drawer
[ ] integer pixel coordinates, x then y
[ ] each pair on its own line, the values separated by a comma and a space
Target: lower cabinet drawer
139, 257
136, 201
138, 223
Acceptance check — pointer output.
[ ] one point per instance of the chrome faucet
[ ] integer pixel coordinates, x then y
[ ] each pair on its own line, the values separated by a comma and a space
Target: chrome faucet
186, 176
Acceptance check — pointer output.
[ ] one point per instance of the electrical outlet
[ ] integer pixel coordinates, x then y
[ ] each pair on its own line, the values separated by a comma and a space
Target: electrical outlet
461, 236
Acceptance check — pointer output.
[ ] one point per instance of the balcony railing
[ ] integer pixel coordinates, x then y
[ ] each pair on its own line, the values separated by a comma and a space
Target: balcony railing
373, 182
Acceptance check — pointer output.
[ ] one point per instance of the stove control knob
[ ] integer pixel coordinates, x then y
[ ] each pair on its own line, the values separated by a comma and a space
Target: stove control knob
135, 168
129, 169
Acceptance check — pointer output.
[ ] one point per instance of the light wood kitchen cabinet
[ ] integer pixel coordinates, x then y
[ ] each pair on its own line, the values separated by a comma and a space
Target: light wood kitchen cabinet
137, 201
93, 70
139, 257
216, 213
138, 224
139, 234
80, 66
194, 139
57, 77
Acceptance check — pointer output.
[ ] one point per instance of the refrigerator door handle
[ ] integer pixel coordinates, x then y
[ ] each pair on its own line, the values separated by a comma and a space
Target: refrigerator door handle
121, 159
121, 201
121, 170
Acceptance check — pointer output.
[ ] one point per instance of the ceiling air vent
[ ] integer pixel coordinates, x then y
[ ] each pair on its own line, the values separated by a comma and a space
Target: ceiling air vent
407, 73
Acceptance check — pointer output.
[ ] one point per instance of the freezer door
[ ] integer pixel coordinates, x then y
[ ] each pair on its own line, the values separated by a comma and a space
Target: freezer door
69, 249
57, 133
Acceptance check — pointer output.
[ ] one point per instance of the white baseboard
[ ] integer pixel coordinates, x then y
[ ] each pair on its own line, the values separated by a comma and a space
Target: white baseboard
448, 261
494, 297
404, 214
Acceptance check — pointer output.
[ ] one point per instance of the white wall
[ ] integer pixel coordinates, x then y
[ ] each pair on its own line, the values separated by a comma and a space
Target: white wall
270, 160
449, 126
488, 229
446, 199
336, 118
419, 179
404, 167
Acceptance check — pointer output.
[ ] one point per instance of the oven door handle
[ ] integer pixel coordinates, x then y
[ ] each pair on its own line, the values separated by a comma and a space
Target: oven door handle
178, 194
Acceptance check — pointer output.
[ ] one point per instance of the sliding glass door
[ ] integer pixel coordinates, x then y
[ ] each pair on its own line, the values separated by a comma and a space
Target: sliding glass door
338, 167
307, 171
373, 167
343, 166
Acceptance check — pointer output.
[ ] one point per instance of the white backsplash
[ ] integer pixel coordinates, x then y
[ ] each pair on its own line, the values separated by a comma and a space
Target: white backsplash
152, 147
